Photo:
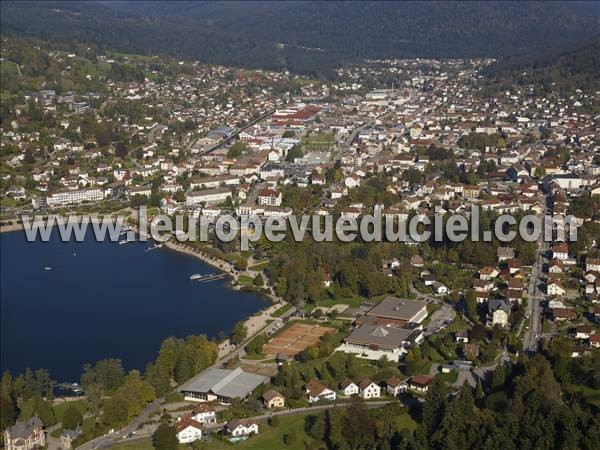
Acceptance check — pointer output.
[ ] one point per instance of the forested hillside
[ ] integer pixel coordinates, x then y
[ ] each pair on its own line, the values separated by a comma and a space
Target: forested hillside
306, 36
577, 68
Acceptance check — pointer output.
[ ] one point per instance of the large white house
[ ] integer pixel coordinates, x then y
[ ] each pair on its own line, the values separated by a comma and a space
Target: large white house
188, 430
269, 197
369, 389
315, 391
349, 388
243, 427
204, 413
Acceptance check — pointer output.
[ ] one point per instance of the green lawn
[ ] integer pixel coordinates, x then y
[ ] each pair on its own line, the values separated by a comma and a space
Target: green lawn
142, 444
59, 409
449, 377
268, 438
283, 309
255, 356
245, 279
457, 325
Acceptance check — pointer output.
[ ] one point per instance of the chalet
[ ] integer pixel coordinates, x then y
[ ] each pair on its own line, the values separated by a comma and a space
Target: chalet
242, 427
505, 253
369, 389
488, 273
555, 288
577, 351
68, 436
462, 336
594, 341
269, 197
514, 295
480, 285
204, 413
555, 266
273, 399
416, 261
514, 266
560, 251
584, 332
592, 265
327, 280
562, 314
315, 391
349, 387
394, 386
188, 430
481, 297
440, 288
420, 383
429, 279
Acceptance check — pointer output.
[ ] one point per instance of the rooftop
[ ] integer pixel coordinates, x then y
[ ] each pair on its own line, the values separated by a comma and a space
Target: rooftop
397, 308
225, 383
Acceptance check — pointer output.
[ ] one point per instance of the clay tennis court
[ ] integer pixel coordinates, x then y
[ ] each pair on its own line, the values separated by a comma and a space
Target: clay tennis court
296, 338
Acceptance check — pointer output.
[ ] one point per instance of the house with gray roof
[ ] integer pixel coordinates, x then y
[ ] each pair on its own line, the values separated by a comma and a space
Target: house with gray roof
222, 385
25, 435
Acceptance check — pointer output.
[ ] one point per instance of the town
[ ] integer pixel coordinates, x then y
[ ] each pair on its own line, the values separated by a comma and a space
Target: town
386, 322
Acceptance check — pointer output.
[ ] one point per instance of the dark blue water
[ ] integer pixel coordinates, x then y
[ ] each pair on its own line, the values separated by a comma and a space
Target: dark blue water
108, 300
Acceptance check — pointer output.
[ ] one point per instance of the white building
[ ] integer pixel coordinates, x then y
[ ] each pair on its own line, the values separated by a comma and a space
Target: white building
269, 197
61, 198
369, 389
316, 392
349, 388
244, 427
204, 413
188, 430
207, 196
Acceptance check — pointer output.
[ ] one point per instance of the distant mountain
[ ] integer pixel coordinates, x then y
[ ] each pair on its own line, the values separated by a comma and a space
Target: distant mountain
307, 36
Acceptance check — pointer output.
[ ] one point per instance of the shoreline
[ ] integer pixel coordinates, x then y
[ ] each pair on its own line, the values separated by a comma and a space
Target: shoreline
9, 228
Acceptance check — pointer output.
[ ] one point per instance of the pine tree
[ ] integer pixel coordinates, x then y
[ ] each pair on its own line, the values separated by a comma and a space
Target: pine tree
434, 406
165, 438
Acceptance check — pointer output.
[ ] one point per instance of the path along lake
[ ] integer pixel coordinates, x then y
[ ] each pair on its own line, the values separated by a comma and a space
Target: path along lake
104, 300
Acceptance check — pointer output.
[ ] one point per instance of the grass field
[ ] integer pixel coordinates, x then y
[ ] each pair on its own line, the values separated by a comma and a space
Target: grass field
245, 279
268, 438
59, 409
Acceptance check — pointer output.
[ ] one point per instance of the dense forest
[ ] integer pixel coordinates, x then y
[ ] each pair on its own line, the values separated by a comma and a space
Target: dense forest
306, 36
522, 407
558, 70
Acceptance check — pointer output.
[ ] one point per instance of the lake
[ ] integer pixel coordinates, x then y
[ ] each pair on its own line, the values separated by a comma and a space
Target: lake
103, 300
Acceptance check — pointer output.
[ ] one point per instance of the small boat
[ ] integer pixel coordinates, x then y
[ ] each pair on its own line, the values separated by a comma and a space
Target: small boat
196, 276
47, 268
75, 254
125, 241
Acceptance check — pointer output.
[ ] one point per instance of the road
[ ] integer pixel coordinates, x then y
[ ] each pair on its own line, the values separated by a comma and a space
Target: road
107, 440
535, 295
288, 412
